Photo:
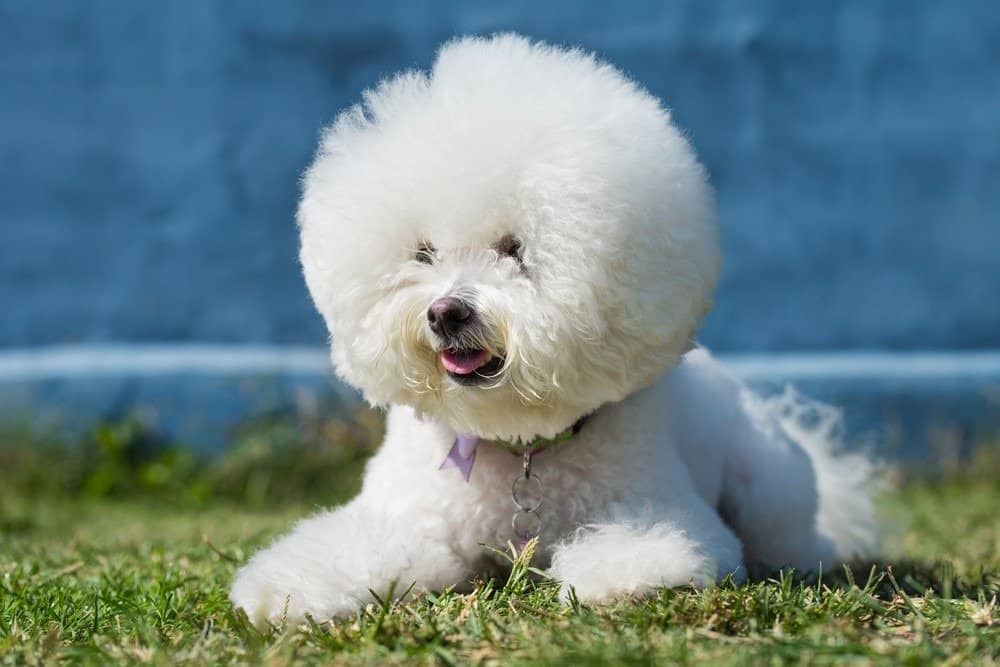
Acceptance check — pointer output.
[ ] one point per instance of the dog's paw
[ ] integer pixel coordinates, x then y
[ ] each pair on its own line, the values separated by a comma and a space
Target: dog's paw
262, 602
272, 594
604, 586
611, 562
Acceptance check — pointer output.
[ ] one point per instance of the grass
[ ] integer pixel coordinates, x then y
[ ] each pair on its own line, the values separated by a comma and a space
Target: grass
132, 571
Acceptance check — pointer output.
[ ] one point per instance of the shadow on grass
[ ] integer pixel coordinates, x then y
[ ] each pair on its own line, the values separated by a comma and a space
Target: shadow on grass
885, 579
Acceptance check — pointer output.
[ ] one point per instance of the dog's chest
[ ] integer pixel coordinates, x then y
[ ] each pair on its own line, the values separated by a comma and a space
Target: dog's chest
575, 487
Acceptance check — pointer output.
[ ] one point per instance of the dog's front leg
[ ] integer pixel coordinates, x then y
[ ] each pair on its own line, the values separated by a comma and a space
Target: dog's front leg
639, 551
330, 564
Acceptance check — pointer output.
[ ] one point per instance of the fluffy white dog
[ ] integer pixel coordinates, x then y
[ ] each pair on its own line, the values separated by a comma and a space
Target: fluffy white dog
511, 252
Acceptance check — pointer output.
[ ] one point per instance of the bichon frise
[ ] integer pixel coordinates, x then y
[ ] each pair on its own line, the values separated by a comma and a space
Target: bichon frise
513, 253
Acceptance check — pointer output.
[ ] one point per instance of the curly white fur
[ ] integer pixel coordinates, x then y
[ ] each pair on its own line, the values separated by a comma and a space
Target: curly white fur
679, 476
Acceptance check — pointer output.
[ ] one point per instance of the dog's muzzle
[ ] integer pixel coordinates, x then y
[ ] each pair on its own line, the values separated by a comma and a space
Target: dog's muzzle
449, 318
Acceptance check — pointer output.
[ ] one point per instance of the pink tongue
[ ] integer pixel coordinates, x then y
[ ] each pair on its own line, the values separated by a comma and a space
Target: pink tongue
465, 362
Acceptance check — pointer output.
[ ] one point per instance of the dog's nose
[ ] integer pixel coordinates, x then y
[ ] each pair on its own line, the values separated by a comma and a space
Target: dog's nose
447, 315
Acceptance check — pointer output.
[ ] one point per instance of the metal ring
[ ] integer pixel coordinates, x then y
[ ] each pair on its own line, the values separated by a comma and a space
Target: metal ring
539, 491
534, 531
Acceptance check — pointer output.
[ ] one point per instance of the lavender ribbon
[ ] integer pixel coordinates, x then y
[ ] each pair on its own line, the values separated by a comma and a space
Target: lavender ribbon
462, 455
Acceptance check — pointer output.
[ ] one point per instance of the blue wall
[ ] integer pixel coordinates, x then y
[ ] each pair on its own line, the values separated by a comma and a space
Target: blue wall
149, 154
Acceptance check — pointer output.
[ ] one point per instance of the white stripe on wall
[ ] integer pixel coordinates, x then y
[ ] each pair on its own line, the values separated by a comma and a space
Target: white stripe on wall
119, 360
27, 364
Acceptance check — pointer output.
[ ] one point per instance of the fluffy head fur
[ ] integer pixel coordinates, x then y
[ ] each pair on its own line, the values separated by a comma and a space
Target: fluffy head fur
618, 252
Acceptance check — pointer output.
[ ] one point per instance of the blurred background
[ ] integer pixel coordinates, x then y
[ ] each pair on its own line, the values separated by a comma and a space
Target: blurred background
150, 156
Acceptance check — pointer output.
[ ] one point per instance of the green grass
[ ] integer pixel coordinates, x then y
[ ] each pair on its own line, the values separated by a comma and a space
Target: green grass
138, 572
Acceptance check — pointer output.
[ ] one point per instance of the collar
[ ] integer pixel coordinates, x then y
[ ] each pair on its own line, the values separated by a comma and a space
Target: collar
532, 447
463, 452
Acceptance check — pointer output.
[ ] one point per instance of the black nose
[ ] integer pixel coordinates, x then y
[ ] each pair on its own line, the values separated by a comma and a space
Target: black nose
447, 315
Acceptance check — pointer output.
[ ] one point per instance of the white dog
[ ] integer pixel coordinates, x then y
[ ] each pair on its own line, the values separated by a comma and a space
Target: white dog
512, 252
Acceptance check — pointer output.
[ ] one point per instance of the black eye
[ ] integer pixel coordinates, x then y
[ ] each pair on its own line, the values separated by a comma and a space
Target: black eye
425, 253
508, 246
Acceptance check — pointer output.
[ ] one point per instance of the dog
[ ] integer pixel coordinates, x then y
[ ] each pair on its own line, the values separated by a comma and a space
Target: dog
513, 253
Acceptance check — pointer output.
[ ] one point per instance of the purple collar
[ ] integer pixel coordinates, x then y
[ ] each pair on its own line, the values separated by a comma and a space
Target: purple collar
463, 452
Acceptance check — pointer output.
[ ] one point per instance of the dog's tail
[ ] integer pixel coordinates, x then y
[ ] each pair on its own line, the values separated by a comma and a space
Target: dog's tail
847, 481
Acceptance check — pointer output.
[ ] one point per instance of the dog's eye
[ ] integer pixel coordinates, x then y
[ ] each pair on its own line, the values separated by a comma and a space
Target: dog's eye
508, 246
425, 253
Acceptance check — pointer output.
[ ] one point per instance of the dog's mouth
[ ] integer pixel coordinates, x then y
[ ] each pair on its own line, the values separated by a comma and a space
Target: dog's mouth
470, 366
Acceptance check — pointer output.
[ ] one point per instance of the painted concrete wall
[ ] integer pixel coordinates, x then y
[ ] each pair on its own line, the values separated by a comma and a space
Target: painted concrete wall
149, 154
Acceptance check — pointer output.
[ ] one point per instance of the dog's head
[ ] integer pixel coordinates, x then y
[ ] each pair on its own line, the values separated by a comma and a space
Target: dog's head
509, 241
